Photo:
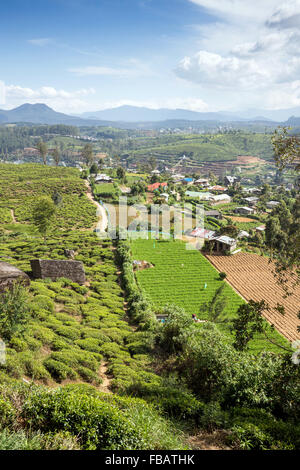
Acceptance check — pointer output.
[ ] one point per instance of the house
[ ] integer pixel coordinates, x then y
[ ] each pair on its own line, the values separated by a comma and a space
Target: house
177, 178
251, 201
198, 195
155, 172
188, 181
165, 196
215, 214
102, 178
252, 191
221, 199
230, 180
203, 233
222, 244
203, 182
244, 210
218, 188
155, 186
272, 204
243, 234
260, 229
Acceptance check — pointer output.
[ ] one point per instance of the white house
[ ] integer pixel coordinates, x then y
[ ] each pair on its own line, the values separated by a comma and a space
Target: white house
102, 178
220, 198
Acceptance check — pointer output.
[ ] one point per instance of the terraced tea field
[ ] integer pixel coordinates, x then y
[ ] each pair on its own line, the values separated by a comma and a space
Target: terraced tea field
187, 279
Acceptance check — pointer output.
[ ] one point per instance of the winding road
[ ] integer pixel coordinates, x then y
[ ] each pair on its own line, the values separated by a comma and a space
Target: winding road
102, 223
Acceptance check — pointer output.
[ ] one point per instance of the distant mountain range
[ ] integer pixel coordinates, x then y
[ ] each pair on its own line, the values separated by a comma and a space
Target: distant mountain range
132, 117
41, 114
140, 114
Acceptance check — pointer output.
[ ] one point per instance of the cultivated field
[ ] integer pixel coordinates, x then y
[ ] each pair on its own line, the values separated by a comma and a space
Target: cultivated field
186, 278
251, 275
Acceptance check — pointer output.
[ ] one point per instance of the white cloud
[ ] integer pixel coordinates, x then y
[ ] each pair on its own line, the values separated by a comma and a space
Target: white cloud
213, 69
41, 42
133, 68
95, 70
284, 97
252, 46
2, 92
287, 15
258, 10
60, 100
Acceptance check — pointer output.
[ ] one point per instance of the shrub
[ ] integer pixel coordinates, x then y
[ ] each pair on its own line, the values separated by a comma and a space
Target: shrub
13, 311
98, 425
7, 413
89, 344
59, 371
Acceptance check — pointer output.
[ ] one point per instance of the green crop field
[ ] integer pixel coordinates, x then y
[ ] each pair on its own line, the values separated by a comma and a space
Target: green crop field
179, 277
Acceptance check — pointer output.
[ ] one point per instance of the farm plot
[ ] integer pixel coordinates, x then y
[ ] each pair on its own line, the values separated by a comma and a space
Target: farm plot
251, 275
187, 279
182, 277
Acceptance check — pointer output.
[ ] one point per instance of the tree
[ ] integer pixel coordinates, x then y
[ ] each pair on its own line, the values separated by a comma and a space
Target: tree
87, 154
56, 156
121, 173
13, 310
250, 321
43, 214
230, 230
43, 150
94, 169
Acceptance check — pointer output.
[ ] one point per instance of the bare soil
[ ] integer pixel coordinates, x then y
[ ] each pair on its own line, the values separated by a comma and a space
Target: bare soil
252, 277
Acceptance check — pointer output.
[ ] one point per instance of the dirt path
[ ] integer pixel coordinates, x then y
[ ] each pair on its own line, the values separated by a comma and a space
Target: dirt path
106, 379
102, 223
13, 216
207, 441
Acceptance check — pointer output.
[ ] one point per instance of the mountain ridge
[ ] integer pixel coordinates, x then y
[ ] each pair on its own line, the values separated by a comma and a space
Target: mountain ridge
41, 113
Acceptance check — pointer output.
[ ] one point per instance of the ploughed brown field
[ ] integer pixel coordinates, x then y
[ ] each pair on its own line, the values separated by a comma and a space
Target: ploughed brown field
251, 276
243, 219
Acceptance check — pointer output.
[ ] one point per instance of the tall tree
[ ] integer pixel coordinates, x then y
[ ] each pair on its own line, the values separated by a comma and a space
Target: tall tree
43, 214
43, 150
87, 154
285, 240
56, 156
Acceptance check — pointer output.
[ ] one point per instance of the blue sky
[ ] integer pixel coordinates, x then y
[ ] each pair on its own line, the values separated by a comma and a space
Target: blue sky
206, 55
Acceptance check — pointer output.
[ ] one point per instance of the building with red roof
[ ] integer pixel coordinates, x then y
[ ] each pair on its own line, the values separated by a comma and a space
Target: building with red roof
156, 186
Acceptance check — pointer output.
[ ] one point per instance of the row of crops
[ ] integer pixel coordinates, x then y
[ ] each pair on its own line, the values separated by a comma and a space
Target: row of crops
187, 279
180, 276
22, 185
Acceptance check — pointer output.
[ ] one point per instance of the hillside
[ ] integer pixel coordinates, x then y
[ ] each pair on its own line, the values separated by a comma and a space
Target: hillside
89, 367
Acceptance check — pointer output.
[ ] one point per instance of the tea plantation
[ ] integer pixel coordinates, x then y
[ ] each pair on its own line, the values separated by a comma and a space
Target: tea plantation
88, 367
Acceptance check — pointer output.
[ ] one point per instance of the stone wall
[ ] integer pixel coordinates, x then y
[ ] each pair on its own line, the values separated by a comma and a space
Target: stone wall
54, 269
9, 275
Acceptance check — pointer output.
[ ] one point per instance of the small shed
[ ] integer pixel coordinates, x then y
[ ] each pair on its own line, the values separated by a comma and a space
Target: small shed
223, 243
244, 210
216, 214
